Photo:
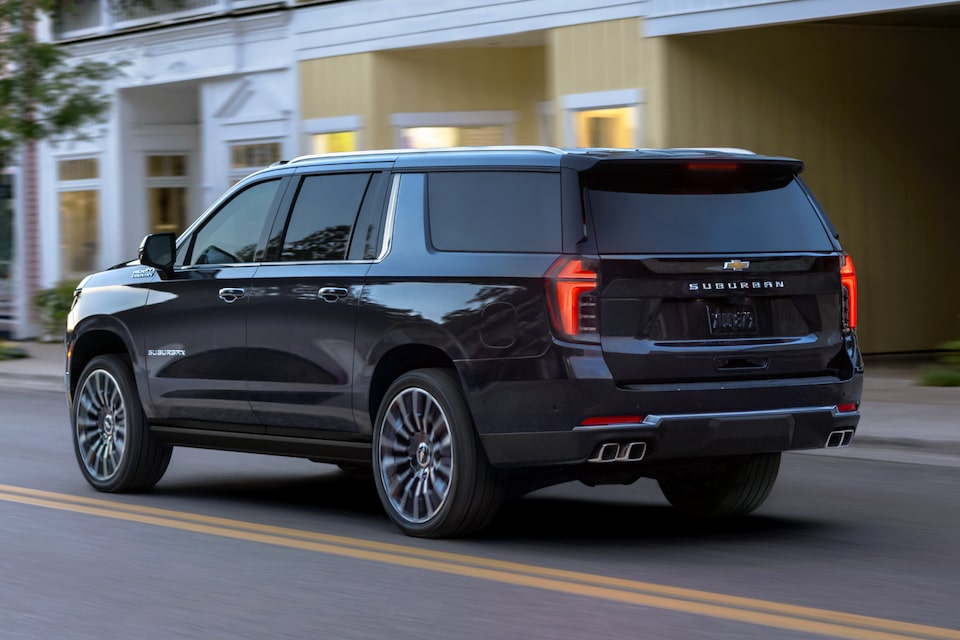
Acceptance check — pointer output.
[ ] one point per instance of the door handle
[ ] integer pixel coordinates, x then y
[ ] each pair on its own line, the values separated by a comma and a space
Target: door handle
231, 294
331, 294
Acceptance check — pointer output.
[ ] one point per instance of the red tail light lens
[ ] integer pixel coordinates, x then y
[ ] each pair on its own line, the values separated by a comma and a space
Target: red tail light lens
848, 278
572, 289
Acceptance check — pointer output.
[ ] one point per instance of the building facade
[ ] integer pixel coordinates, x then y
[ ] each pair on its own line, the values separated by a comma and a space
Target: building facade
212, 90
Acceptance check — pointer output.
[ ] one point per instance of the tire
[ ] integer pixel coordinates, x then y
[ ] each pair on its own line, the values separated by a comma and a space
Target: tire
731, 489
114, 447
430, 470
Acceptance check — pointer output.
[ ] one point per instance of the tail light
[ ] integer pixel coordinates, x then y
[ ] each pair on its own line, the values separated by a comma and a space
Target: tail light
572, 291
848, 278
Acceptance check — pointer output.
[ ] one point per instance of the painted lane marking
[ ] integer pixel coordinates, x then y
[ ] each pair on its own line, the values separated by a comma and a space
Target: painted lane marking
705, 603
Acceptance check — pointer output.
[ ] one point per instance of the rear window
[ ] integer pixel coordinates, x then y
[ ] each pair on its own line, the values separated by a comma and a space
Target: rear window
495, 211
675, 210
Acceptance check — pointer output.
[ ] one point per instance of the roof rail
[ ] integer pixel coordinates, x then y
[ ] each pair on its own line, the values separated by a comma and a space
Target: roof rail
387, 152
718, 150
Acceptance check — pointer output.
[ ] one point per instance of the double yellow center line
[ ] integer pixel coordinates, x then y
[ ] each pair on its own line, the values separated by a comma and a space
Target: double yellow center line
704, 603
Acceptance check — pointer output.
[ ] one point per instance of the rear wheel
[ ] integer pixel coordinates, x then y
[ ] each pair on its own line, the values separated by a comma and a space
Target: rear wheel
111, 439
431, 473
731, 489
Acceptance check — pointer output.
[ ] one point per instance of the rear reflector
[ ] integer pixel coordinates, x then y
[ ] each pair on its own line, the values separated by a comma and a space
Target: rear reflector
846, 408
610, 420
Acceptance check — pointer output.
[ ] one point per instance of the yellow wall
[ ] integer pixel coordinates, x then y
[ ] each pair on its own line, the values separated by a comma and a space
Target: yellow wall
377, 85
340, 86
872, 113
605, 56
462, 79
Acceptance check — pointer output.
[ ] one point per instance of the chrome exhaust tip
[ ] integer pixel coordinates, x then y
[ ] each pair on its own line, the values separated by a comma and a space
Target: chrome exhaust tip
616, 452
633, 451
608, 452
839, 438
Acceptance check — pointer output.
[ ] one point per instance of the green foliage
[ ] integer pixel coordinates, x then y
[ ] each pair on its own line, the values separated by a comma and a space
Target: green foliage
10, 352
54, 306
43, 91
947, 374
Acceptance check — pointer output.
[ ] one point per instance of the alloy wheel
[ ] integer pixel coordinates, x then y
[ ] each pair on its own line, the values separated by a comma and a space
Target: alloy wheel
416, 455
101, 425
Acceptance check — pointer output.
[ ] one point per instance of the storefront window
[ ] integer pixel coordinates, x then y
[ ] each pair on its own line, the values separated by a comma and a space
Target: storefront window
167, 192
335, 142
79, 232
436, 137
249, 157
79, 205
616, 128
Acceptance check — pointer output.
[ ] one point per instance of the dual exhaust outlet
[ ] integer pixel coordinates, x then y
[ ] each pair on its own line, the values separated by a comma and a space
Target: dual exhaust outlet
634, 451
619, 452
841, 438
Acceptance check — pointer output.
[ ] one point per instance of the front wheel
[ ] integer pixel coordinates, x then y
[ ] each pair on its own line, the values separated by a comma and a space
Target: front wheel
111, 439
431, 473
730, 489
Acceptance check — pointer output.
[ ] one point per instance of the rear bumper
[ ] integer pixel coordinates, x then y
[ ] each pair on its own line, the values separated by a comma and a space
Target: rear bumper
677, 436
530, 413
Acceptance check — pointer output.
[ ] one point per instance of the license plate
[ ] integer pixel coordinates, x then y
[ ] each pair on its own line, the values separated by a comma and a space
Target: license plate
731, 320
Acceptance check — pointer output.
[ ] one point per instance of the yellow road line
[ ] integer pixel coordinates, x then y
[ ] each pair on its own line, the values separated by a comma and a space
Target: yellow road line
760, 612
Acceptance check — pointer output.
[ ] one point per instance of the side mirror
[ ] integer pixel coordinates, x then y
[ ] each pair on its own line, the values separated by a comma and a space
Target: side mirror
158, 250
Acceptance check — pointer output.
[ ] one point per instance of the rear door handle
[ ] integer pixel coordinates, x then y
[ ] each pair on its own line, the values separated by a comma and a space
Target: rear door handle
331, 294
231, 294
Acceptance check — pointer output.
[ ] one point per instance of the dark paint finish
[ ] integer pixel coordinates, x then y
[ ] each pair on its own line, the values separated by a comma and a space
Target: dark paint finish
295, 365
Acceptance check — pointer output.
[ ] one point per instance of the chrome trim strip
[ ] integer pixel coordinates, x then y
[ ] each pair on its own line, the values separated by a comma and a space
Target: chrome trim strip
391, 216
653, 420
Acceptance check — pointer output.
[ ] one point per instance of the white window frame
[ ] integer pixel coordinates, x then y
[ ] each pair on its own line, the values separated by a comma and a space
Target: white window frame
615, 99
339, 124
505, 119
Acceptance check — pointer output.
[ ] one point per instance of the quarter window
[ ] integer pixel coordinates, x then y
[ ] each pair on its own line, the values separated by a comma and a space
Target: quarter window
324, 216
231, 235
495, 211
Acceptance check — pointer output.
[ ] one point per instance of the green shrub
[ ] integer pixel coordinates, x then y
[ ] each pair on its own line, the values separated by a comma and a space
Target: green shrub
947, 373
10, 352
54, 306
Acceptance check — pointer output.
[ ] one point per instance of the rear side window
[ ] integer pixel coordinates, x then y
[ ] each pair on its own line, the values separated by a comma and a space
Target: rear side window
495, 211
676, 210
323, 217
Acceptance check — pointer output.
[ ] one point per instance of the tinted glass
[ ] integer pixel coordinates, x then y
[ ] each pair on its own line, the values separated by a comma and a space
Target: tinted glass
324, 216
233, 232
495, 211
775, 216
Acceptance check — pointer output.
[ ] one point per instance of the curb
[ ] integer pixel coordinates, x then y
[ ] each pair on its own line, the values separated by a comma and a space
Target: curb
31, 381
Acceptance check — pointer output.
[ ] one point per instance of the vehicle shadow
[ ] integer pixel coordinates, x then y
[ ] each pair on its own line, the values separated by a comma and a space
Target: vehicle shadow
560, 516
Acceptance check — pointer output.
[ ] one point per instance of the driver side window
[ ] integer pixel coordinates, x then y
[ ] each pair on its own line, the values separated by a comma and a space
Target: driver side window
231, 235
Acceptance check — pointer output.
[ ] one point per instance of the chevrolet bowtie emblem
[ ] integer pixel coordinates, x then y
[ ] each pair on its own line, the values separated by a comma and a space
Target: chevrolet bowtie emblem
736, 265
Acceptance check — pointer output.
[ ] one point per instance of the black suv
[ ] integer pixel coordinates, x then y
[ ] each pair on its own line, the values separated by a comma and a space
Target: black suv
468, 322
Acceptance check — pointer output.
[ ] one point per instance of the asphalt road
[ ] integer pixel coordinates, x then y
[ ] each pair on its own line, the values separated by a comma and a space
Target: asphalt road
237, 546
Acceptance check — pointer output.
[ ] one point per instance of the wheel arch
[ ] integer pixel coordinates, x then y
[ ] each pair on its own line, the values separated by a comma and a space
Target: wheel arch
95, 337
399, 360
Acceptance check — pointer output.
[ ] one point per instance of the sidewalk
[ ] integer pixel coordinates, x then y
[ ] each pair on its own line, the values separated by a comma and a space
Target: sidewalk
900, 420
